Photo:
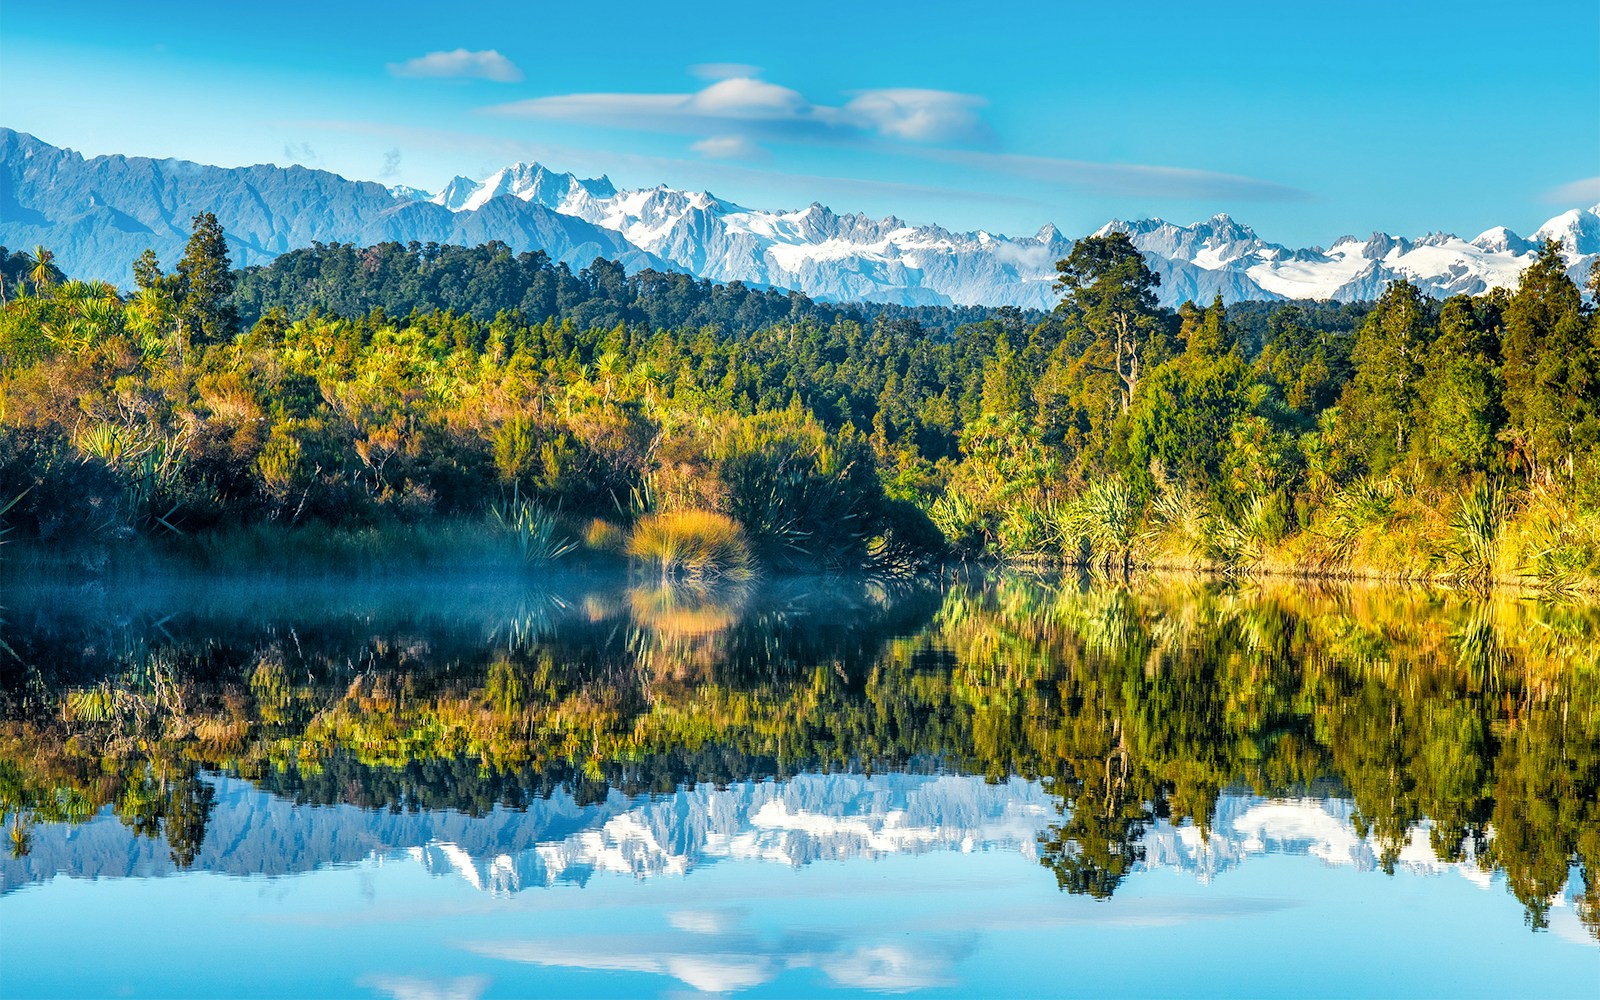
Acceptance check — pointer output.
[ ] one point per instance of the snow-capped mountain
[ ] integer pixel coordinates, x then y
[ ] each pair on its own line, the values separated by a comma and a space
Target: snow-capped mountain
854, 257
813, 249
99, 213
1220, 256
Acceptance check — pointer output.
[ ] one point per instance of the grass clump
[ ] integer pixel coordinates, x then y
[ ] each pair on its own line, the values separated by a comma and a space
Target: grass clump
605, 536
694, 544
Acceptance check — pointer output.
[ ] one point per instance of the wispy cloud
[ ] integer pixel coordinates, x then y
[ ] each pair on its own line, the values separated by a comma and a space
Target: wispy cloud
715, 962
724, 70
391, 163
1585, 192
417, 988
1128, 179
920, 115
460, 64
735, 115
747, 180
704, 921
728, 147
300, 153
709, 970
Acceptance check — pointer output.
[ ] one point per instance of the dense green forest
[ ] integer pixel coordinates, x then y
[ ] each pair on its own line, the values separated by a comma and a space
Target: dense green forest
473, 403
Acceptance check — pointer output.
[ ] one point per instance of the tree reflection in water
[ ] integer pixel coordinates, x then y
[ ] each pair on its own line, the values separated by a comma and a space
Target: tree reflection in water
1130, 703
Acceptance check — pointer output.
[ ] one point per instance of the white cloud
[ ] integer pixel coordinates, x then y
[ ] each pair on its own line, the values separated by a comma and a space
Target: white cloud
728, 147
742, 97
919, 115
417, 988
888, 968
724, 70
703, 921
755, 109
734, 115
1583, 192
709, 971
460, 63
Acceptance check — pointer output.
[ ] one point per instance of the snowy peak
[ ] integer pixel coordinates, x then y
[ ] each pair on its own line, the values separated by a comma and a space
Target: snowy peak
1222, 257
455, 194
1501, 240
1578, 231
531, 182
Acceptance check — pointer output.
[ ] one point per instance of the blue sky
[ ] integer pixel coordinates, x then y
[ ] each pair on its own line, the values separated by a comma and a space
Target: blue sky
1305, 120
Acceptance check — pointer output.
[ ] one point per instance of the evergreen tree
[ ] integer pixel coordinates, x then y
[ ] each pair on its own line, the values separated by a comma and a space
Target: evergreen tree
1550, 358
205, 282
1379, 405
1112, 290
1460, 400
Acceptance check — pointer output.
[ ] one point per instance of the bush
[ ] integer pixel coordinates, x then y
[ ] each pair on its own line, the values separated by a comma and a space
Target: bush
534, 532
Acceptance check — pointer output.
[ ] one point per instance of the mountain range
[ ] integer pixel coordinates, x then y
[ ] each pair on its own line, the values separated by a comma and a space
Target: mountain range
99, 213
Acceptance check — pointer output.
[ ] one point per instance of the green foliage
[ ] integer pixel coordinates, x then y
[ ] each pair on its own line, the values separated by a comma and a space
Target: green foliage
1111, 290
1476, 528
397, 386
1102, 522
1464, 725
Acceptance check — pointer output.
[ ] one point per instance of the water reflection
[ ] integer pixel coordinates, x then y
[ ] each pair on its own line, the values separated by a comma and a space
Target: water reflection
535, 735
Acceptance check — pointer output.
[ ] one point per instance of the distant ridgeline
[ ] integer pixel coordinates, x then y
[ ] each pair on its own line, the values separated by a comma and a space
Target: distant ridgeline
486, 280
99, 213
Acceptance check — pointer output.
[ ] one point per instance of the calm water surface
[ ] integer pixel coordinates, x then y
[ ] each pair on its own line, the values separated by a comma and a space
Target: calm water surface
602, 787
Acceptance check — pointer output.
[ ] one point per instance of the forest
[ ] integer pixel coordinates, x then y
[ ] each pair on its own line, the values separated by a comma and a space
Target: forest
417, 406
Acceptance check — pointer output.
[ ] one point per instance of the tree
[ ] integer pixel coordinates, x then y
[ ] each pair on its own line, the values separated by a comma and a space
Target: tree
205, 281
1109, 285
147, 271
1550, 365
1379, 404
44, 272
1185, 411
1460, 410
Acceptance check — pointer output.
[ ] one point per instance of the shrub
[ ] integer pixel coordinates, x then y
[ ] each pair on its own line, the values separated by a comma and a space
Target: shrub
534, 531
1474, 533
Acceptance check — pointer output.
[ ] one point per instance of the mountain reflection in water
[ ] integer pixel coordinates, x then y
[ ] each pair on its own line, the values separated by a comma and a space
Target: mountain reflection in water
519, 736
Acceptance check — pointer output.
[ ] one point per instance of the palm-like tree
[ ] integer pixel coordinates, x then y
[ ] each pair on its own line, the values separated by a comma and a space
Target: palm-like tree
43, 272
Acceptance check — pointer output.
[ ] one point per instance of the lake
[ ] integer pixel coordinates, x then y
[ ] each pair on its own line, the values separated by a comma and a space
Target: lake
988, 785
